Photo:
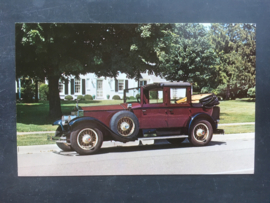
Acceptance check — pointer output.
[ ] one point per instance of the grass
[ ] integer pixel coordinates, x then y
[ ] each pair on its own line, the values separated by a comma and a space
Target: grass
238, 129
33, 117
237, 111
35, 139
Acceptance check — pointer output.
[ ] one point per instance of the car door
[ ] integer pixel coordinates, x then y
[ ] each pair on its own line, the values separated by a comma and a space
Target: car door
154, 110
178, 107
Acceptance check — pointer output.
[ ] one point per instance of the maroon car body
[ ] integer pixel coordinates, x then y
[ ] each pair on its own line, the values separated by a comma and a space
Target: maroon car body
163, 109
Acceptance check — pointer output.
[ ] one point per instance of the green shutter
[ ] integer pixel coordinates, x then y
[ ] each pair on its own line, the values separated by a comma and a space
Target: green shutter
66, 86
126, 84
72, 86
83, 86
116, 85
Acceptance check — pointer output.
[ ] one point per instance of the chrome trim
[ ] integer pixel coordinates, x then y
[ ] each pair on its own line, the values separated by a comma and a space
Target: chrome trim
163, 137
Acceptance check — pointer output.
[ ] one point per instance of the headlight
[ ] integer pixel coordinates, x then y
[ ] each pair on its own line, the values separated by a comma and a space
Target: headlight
67, 119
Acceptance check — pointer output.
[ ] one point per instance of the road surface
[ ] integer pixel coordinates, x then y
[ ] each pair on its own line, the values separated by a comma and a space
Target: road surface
226, 154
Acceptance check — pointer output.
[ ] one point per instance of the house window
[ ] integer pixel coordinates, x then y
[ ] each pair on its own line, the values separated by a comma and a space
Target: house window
77, 86
143, 82
120, 85
60, 87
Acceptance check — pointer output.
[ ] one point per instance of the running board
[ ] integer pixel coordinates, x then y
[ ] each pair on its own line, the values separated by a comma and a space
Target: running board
163, 137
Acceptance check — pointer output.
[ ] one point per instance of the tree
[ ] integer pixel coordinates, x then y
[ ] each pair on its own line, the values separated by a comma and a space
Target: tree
235, 45
58, 50
189, 57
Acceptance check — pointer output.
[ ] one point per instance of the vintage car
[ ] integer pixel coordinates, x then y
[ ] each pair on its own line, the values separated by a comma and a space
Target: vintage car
162, 111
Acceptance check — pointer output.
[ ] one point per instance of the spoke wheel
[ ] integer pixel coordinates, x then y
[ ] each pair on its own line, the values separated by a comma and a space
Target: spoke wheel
201, 133
87, 139
125, 126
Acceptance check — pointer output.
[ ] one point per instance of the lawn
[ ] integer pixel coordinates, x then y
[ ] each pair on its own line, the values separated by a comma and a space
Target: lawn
237, 111
35, 139
34, 116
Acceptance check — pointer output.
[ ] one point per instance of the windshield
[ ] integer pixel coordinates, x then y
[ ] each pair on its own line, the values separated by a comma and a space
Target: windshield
132, 95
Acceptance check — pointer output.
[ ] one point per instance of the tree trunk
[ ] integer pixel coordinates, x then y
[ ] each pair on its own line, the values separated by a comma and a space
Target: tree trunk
36, 91
228, 92
54, 98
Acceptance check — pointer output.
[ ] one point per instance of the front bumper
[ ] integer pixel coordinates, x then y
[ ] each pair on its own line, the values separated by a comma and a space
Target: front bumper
219, 131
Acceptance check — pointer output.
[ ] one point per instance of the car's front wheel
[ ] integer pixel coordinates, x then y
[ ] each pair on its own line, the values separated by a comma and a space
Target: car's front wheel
64, 146
86, 139
201, 133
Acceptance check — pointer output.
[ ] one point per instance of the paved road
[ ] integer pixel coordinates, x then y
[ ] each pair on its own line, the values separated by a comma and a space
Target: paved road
226, 154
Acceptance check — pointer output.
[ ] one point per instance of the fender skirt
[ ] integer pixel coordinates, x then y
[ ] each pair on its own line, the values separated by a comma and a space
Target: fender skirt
203, 116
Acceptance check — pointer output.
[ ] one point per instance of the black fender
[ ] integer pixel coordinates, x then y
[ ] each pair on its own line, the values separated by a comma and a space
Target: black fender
200, 116
101, 126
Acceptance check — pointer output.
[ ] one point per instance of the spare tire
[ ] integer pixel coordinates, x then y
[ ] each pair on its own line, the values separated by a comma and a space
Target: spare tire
125, 124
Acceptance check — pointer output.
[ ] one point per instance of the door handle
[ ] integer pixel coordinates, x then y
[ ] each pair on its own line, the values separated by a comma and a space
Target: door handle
144, 112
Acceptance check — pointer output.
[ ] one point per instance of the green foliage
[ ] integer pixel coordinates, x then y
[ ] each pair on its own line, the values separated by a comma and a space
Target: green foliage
116, 97
80, 97
190, 55
131, 97
88, 97
138, 96
43, 92
153, 95
108, 96
27, 90
235, 45
251, 92
68, 98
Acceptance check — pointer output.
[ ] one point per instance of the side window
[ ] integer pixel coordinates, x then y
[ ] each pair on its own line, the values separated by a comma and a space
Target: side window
178, 96
156, 96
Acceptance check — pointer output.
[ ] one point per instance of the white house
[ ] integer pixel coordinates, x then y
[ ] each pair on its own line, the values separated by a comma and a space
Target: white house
103, 88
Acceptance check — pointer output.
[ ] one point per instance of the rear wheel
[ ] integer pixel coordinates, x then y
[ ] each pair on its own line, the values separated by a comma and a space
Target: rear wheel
86, 139
201, 133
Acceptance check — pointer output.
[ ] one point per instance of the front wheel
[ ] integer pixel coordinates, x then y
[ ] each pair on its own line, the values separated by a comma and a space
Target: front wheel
201, 133
86, 139
64, 146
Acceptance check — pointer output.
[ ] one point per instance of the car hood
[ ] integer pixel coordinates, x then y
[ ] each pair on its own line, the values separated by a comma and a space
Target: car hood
110, 107
104, 108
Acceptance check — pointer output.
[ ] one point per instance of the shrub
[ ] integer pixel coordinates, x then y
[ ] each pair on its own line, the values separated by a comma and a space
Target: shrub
138, 96
68, 97
131, 97
80, 97
116, 97
153, 94
251, 92
43, 92
108, 96
88, 97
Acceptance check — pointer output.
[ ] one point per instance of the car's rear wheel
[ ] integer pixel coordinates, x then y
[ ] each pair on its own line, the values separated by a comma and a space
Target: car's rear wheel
201, 133
86, 139
63, 146
125, 124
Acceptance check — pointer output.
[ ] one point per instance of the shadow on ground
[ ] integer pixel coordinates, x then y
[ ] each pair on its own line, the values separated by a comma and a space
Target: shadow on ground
160, 145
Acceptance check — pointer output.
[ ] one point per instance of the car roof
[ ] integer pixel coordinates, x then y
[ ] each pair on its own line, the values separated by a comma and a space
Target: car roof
167, 84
